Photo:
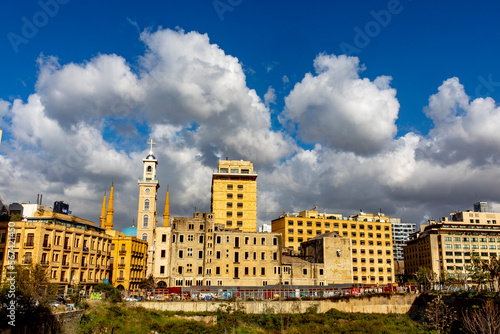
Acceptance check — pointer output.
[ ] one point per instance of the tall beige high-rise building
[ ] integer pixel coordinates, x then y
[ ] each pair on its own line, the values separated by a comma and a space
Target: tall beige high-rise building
234, 195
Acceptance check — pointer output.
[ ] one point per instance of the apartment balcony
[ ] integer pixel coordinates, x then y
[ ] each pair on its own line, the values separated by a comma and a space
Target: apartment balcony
83, 280
122, 252
121, 266
65, 264
120, 279
67, 247
28, 245
84, 265
44, 263
99, 253
47, 246
85, 249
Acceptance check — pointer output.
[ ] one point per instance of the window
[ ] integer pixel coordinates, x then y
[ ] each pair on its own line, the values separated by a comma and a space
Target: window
229, 214
321, 272
30, 239
163, 238
190, 237
240, 196
263, 241
229, 187
229, 196
304, 271
239, 223
144, 237
146, 205
217, 255
263, 271
240, 205
218, 239
189, 252
163, 253
263, 255
240, 187
275, 256
290, 239
200, 239
217, 270
162, 269
229, 205
181, 238
145, 221
181, 254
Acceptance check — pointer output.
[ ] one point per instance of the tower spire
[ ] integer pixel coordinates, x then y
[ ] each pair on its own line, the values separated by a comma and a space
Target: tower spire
103, 212
109, 218
166, 213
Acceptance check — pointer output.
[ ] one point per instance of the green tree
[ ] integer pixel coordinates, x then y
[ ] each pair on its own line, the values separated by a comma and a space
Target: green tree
439, 315
111, 293
29, 289
147, 283
476, 270
230, 313
426, 276
492, 267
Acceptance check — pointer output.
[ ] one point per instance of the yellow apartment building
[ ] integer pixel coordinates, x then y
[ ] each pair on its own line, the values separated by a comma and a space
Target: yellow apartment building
446, 246
128, 260
234, 195
74, 250
370, 235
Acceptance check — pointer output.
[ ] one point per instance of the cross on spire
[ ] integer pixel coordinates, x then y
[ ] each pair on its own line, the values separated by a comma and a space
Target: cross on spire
151, 143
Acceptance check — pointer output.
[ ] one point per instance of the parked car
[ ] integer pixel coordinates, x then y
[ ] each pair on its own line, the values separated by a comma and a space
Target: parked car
130, 299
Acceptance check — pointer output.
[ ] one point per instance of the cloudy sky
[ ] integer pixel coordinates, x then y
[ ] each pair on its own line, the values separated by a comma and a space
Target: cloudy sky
355, 105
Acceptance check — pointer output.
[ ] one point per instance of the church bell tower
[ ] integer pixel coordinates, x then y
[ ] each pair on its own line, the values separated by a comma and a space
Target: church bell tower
148, 196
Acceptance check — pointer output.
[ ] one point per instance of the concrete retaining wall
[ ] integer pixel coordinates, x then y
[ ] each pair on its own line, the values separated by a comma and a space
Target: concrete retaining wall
391, 304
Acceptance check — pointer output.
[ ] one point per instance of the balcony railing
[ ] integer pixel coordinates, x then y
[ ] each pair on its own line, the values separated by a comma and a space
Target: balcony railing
122, 252
121, 266
120, 279
48, 246
65, 264
148, 178
84, 265
28, 245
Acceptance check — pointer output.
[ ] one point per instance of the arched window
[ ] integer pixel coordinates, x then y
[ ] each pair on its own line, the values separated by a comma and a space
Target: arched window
149, 169
145, 237
145, 221
146, 205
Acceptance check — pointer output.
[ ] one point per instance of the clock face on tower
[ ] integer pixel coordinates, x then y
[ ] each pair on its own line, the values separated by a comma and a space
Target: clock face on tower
147, 191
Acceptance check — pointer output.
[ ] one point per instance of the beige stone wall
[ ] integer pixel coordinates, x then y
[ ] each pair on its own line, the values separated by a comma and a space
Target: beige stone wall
338, 260
399, 304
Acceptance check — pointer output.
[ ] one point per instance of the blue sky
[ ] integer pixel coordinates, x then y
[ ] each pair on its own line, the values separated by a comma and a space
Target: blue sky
434, 151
